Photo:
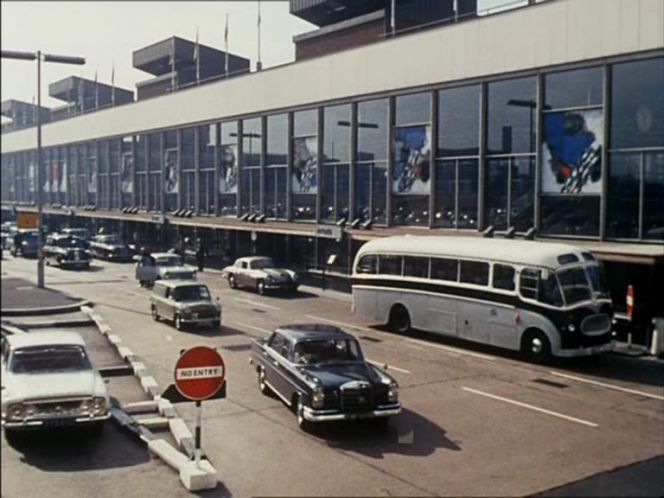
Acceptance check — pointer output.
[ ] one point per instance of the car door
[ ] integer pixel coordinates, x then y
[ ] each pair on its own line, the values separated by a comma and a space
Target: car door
242, 275
274, 372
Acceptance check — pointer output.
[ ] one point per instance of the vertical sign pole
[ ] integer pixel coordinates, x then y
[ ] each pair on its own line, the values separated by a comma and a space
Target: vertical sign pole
197, 446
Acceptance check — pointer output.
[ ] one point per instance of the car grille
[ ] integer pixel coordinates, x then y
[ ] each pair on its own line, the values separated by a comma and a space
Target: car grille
596, 324
204, 312
58, 407
356, 397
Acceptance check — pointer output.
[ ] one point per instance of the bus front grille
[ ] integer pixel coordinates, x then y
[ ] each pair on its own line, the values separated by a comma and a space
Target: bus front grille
596, 324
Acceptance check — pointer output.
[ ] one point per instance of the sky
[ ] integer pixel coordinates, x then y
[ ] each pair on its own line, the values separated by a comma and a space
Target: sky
106, 33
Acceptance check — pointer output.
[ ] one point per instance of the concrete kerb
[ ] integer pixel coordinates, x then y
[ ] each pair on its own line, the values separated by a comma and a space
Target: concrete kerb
49, 310
192, 477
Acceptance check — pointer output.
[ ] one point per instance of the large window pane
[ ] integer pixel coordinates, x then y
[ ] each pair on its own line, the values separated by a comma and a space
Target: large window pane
277, 139
496, 196
637, 104
414, 108
653, 196
336, 145
511, 116
459, 121
623, 198
522, 193
445, 209
372, 130
379, 193
570, 215
363, 191
305, 122
468, 187
579, 88
252, 135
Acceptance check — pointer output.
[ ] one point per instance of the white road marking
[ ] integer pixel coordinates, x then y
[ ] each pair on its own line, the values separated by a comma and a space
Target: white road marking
256, 303
608, 386
341, 324
381, 364
452, 350
264, 331
531, 407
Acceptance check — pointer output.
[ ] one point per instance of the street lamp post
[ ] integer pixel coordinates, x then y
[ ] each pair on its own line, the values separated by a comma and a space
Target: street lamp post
60, 59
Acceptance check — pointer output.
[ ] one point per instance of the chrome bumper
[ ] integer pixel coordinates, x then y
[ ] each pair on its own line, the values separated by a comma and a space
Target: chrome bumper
312, 415
49, 422
202, 320
589, 351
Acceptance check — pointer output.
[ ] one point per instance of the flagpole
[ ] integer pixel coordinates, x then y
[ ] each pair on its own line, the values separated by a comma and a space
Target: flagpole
198, 58
226, 48
96, 92
259, 64
113, 84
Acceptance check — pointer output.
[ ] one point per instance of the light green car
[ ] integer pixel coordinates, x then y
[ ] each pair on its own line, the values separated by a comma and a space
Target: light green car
184, 302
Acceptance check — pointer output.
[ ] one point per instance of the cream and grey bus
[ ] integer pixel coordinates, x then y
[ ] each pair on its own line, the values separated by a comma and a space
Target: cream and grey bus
537, 297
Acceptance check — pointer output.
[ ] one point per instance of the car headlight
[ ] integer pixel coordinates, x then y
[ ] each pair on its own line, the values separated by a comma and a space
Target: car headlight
186, 312
16, 411
269, 279
318, 398
393, 393
98, 405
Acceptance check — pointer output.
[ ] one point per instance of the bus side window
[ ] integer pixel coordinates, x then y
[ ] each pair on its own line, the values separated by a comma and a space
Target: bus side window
474, 272
390, 265
529, 282
445, 269
503, 277
368, 264
416, 267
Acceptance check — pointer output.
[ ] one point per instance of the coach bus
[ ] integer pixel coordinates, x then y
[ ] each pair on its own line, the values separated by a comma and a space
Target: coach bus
539, 298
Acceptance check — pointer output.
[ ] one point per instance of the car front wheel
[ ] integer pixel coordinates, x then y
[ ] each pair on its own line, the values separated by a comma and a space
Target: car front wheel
178, 322
262, 385
231, 282
261, 287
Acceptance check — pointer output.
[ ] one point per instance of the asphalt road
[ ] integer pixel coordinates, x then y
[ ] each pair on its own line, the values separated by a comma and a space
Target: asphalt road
477, 421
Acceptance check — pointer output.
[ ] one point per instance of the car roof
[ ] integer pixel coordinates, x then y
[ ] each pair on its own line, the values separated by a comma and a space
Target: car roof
312, 331
178, 283
164, 255
254, 258
44, 338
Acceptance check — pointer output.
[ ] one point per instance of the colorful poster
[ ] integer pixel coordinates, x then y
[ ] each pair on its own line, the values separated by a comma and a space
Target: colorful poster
305, 165
411, 149
572, 151
126, 173
92, 175
171, 184
63, 176
228, 169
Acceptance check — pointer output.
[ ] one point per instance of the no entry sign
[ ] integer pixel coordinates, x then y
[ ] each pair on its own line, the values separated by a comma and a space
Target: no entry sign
199, 373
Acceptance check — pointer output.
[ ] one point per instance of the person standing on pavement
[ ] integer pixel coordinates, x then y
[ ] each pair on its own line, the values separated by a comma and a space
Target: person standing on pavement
200, 253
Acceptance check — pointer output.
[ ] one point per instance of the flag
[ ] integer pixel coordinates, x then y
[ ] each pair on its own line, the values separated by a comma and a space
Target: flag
96, 91
197, 56
226, 47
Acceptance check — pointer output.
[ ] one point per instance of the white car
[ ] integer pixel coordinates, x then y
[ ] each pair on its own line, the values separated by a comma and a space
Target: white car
162, 266
49, 381
260, 273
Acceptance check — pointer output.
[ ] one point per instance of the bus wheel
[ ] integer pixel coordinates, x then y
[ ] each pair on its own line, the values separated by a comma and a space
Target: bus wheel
535, 346
399, 319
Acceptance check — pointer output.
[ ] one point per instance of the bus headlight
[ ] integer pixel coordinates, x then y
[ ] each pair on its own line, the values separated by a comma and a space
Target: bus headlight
393, 393
318, 398
571, 327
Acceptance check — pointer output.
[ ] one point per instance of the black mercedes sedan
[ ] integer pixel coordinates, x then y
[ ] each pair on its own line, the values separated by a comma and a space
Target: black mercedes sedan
320, 372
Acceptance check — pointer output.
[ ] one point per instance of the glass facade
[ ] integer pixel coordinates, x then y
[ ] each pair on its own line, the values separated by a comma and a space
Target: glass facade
548, 150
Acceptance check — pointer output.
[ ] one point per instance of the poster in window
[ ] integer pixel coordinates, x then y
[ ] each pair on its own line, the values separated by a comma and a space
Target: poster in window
63, 176
32, 177
228, 169
92, 175
572, 151
126, 174
171, 185
52, 180
305, 165
411, 147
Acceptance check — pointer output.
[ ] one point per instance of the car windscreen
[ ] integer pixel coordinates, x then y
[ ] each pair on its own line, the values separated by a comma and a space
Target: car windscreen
46, 359
259, 264
575, 285
191, 293
326, 351
69, 242
109, 239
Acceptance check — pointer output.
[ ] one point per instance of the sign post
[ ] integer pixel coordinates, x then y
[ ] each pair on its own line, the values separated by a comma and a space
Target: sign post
630, 311
199, 375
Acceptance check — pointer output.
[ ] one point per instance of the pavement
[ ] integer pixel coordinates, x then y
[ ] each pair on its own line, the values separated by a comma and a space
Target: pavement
20, 294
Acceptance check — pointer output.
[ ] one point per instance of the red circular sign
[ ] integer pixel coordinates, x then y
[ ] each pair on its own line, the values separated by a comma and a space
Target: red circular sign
199, 373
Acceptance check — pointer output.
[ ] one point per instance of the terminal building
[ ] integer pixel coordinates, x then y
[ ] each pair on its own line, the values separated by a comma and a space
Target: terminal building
542, 120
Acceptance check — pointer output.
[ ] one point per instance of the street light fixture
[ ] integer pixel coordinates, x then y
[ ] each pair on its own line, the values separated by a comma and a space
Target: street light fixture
59, 59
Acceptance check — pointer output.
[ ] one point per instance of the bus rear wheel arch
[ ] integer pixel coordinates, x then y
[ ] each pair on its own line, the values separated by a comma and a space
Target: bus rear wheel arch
536, 346
399, 320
